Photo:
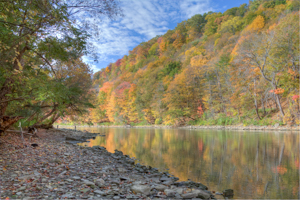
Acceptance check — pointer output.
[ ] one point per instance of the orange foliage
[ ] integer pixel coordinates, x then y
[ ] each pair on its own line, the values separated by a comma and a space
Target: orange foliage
277, 91
179, 39
106, 87
162, 45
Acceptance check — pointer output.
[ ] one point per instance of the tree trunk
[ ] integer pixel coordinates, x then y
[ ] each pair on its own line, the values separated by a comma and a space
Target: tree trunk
6, 122
256, 109
5, 89
46, 116
255, 102
263, 106
7, 85
279, 105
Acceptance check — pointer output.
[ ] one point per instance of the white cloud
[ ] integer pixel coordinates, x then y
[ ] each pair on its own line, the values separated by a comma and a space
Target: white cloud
191, 7
88, 61
143, 20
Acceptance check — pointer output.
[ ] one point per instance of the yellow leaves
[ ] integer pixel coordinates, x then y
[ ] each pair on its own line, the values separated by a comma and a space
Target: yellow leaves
151, 65
166, 80
194, 51
257, 24
107, 69
157, 63
216, 42
198, 60
280, 8
19, 65
169, 120
111, 107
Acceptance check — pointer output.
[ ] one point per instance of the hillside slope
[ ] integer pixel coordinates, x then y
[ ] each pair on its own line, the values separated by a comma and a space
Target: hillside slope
216, 68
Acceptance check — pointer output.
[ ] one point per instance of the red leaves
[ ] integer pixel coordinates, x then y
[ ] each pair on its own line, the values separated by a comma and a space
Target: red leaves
122, 87
295, 97
279, 169
118, 62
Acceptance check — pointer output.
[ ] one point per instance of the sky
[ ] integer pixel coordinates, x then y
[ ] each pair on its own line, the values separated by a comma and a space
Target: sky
143, 20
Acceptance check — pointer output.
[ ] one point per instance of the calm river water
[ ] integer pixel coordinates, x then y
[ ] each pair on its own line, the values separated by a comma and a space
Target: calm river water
256, 165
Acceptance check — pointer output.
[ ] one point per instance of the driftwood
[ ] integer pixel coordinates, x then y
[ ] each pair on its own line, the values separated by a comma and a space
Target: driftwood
15, 131
20, 125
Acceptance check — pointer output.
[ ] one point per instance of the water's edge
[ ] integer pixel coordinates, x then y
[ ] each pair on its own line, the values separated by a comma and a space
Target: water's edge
237, 127
217, 157
165, 182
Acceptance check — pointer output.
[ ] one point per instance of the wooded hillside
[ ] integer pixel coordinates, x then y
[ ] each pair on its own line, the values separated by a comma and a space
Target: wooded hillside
240, 66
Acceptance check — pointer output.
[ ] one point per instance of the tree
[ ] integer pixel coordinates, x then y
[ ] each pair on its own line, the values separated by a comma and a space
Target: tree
211, 26
257, 24
35, 36
232, 25
272, 52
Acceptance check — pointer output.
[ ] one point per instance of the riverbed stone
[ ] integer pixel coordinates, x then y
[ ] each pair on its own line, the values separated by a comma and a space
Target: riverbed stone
88, 183
122, 170
22, 188
160, 187
202, 194
189, 195
82, 173
144, 189
99, 192
84, 190
100, 182
170, 193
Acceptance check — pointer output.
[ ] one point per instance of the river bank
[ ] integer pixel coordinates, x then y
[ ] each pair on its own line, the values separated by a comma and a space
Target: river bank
60, 169
275, 127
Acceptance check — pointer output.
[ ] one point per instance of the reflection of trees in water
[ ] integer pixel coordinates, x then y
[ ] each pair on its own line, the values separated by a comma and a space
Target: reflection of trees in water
255, 165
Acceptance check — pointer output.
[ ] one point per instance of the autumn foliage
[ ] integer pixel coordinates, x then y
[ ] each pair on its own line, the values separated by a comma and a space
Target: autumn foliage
243, 63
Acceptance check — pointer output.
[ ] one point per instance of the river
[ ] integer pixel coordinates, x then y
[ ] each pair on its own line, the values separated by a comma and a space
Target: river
256, 165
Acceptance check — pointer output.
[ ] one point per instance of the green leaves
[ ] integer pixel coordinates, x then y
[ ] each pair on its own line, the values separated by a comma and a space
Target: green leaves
42, 75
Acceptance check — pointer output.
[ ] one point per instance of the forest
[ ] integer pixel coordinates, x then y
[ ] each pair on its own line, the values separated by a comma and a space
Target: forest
236, 67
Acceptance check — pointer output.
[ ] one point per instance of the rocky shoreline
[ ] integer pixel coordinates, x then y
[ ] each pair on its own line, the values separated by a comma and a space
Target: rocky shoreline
60, 169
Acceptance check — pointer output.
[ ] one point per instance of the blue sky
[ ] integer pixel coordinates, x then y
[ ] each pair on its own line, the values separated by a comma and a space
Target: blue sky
143, 20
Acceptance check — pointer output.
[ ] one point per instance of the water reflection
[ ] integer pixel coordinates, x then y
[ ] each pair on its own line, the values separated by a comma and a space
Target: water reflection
254, 165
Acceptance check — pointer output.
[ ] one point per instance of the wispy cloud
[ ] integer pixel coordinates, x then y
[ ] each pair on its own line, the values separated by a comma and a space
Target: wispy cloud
143, 20
191, 7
